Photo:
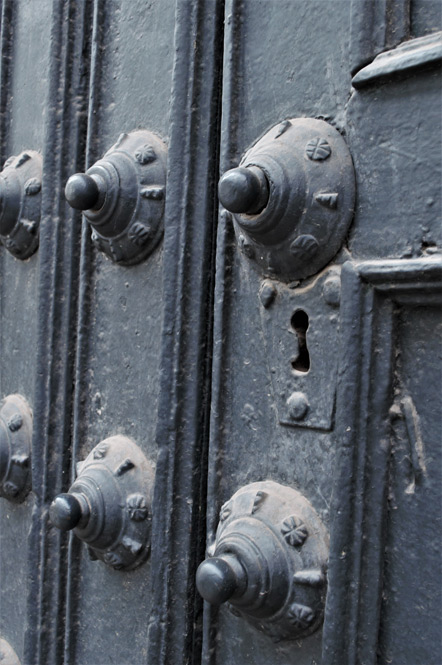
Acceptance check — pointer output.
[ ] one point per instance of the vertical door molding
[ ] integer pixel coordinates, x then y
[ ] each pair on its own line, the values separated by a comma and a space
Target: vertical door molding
376, 25
6, 36
226, 244
372, 293
189, 237
58, 269
85, 285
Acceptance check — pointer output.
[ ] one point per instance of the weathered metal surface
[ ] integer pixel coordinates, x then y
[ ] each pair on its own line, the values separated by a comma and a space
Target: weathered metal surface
375, 475
20, 202
15, 448
292, 198
123, 197
300, 325
177, 352
109, 504
269, 561
389, 126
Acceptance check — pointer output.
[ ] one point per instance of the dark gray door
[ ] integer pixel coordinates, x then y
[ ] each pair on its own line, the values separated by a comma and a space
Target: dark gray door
354, 425
228, 355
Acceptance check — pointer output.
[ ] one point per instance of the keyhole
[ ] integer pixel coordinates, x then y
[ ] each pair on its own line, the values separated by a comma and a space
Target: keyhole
300, 325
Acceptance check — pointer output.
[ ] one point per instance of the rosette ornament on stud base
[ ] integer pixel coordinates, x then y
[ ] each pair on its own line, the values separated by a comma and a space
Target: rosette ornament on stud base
109, 504
269, 561
292, 198
122, 197
20, 203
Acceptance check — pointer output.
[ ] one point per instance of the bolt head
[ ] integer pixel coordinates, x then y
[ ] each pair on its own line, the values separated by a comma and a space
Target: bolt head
332, 291
298, 406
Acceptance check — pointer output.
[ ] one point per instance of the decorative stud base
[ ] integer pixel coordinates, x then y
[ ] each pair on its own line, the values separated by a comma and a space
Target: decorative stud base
108, 505
15, 448
292, 211
122, 196
269, 561
20, 203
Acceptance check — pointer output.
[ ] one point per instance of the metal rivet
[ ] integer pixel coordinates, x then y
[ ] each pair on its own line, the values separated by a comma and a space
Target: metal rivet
298, 405
332, 291
15, 422
267, 293
32, 187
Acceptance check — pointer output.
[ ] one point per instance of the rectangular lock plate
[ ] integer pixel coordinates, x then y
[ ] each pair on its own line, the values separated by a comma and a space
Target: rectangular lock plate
300, 328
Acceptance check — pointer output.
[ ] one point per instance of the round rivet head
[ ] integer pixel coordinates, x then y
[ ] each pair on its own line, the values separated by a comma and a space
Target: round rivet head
298, 405
267, 293
218, 579
243, 190
332, 291
65, 512
82, 192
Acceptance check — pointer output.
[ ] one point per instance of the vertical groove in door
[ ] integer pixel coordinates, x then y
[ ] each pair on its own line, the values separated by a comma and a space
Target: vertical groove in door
83, 318
58, 269
6, 36
225, 245
6, 45
182, 433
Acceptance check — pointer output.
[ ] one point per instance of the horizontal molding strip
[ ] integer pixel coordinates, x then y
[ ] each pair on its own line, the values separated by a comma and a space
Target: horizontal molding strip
409, 55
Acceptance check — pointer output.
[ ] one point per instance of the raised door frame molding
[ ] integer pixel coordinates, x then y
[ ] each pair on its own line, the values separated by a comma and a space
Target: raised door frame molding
376, 25
371, 292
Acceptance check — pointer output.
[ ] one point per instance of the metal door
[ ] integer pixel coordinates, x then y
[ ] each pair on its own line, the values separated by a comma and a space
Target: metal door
223, 363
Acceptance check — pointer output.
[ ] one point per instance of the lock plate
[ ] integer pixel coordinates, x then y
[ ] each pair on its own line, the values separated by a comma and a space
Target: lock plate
300, 328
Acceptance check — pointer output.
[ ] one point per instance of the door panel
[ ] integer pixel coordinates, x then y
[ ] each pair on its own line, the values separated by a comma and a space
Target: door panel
414, 519
223, 373
248, 442
25, 55
120, 312
394, 218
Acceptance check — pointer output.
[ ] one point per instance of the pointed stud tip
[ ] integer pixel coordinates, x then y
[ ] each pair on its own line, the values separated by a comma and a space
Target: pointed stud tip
217, 580
65, 512
243, 190
82, 192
